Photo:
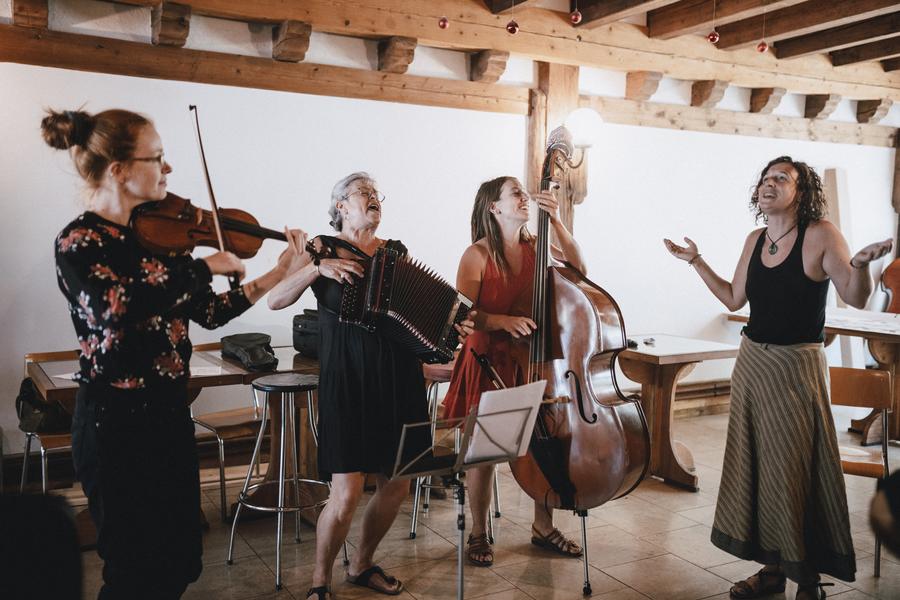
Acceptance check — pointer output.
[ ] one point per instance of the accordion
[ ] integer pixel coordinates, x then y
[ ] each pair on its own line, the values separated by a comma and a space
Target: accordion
408, 303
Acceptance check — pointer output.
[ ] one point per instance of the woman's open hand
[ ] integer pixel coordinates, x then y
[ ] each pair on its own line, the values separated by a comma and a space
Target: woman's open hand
341, 270
870, 253
685, 253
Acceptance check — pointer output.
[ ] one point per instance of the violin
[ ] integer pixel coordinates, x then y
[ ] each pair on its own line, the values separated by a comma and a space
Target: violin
174, 226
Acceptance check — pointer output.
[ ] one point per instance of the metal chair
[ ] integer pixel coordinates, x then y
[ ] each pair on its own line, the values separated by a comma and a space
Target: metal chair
864, 388
49, 443
235, 424
286, 384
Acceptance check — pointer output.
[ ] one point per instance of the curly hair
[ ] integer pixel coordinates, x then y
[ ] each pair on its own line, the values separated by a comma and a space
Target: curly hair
811, 202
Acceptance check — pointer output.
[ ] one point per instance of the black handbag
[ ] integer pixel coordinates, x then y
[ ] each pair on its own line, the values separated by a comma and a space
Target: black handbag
37, 416
306, 333
253, 350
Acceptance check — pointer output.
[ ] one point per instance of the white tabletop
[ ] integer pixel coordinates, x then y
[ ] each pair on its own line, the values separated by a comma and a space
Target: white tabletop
665, 349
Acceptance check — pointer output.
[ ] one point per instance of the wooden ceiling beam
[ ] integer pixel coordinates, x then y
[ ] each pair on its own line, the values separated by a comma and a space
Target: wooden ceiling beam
870, 30
764, 100
706, 94
170, 24
696, 16
891, 64
603, 12
487, 66
820, 106
640, 85
888, 48
396, 53
801, 19
30, 13
504, 6
290, 41
121, 57
872, 111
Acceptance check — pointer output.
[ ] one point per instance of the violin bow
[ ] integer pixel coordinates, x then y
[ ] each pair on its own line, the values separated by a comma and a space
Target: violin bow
232, 279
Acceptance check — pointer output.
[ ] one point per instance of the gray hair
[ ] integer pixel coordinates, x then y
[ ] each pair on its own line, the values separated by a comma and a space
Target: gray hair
339, 192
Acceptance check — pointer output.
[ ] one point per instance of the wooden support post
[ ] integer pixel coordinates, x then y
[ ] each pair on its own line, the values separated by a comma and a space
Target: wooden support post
537, 138
640, 85
396, 53
765, 100
706, 94
290, 41
170, 24
30, 13
895, 194
872, 111
488, 65
820, 106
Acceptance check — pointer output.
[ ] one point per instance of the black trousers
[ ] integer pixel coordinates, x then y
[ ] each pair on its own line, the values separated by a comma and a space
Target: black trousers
136, 458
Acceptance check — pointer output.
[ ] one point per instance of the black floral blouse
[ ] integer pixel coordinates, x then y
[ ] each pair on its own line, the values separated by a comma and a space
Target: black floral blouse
131, 308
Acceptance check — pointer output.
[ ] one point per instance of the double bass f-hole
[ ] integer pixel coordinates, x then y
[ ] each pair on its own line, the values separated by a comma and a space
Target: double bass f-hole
579, 398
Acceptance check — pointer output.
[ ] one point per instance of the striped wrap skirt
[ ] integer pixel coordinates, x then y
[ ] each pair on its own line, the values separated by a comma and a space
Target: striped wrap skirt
782, 498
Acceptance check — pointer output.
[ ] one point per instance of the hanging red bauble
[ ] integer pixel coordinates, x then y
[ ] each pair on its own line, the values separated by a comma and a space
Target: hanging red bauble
762, 46
443, 22
512, 27
576, 17
713, 37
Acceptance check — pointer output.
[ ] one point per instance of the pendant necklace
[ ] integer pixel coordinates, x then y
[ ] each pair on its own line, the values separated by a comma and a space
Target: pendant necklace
773, 247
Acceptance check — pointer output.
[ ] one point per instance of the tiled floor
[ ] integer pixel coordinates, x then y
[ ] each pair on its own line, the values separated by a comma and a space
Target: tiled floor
653, 543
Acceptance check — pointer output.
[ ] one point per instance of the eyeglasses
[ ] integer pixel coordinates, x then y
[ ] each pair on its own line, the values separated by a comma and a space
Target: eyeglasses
369, 194
160, 158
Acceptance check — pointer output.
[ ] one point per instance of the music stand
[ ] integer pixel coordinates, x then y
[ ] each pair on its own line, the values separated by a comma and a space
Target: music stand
499, 431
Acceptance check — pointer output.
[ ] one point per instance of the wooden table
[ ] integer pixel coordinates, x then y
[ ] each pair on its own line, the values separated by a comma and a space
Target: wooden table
882, 334
658, 363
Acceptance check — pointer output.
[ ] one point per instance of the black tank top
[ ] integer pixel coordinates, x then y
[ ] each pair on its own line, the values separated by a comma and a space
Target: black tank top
786, 306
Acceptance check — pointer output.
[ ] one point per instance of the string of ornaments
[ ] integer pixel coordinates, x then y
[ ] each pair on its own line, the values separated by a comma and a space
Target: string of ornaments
513, 27
713, 36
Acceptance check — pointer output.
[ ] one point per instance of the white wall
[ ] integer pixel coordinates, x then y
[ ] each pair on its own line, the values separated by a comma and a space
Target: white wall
278, 154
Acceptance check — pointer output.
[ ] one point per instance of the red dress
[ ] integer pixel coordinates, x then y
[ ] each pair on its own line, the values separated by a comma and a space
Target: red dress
501, 296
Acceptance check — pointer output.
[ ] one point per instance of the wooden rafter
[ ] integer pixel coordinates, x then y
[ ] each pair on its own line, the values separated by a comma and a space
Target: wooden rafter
488, 65
290, 41
872, 111
603, 12
892, 64
801, 19
711, 120
765, 100
820, 106
105, 55
504, 6
396, 53
706, 94
888, 48
549, 37
30, 13
170, 24
696, 16
640, 85
870, 30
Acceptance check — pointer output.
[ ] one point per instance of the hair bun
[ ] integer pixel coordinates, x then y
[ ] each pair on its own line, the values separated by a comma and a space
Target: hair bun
68, 128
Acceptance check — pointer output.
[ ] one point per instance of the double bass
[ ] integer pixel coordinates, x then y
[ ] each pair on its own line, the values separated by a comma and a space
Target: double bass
591, 444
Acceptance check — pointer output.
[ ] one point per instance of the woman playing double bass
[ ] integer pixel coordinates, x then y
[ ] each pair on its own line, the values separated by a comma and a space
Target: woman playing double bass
132, 434
497, 270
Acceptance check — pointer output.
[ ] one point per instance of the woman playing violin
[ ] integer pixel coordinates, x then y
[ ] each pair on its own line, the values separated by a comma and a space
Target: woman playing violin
498, 271
132, 435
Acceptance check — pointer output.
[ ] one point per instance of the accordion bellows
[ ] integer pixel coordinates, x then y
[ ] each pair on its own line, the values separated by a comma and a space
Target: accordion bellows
407, 302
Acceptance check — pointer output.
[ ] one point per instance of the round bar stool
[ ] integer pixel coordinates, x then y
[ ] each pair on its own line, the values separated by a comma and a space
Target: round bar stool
286, 384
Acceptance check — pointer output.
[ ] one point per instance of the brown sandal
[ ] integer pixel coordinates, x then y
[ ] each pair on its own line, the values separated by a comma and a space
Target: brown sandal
557, 542
761, 583
477, 547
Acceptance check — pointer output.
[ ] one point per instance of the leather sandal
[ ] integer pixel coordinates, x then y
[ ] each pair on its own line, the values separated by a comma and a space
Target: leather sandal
364, 579
478, 547
761, 583
557, 542
815, 588
321, 593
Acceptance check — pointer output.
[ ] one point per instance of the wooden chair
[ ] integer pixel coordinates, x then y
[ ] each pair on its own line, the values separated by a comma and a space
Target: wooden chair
60, 441
864, 388
227, 425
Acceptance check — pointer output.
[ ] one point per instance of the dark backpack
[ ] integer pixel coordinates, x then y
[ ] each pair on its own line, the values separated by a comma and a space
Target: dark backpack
306, 333
253, 350
37, 416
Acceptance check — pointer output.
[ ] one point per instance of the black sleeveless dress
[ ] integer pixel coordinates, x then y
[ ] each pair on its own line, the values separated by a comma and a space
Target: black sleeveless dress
369, 387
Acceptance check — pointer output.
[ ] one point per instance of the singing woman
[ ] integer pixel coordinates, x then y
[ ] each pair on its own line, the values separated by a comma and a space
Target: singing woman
132, 435
497, 270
